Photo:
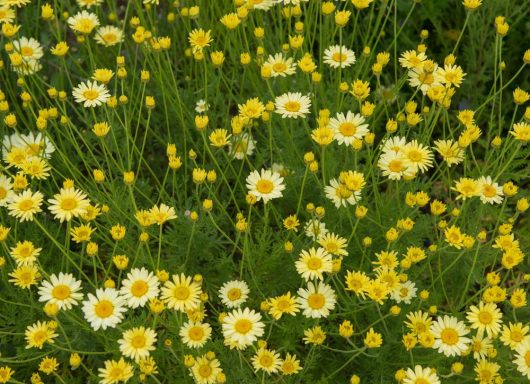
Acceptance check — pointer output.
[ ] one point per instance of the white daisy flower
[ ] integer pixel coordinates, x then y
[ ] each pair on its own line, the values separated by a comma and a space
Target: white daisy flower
317, 300
338, 56
91, 94
449, 336
340, 195
242, 327
234, 293
104, 309
63, 290
195, 334
139, 287
201, 106
30, 49
242, 146
421, 375
314, 263
348, 127
405, 292
108, 35
280, 65
490, 191
315, 229
292, 105
6, 190
265, 185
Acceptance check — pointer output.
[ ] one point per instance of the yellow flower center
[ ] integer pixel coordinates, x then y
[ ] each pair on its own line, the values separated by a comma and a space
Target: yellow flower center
509, 260
61, 292
292, 106
339, 57
389, 280
205, 370
467, 189
348, 129
234, 294
200, 40
414, 61
104, 309
40, 337
250, 111
449, 336
454, 237
196, 333
139, 288
516, 336
505, 243
279, 67
26, 278
26, 51
116, 373
355, 284
448, 152
25, 251
25, 205
264, 186
85, 26
83, 233
451, 77
485, 375
485, 317
477, 346
343, 192
266, 361
91, 94
138, 341
316, 301
3, 193
290, 223
414, 155
283, 304
396, 165
288, 367
109, 38
421, 380
68, 204
34, 168
331, 247
314, 263
243, 326
377, 292
33, 149
181, 293
489, 191
426, 78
